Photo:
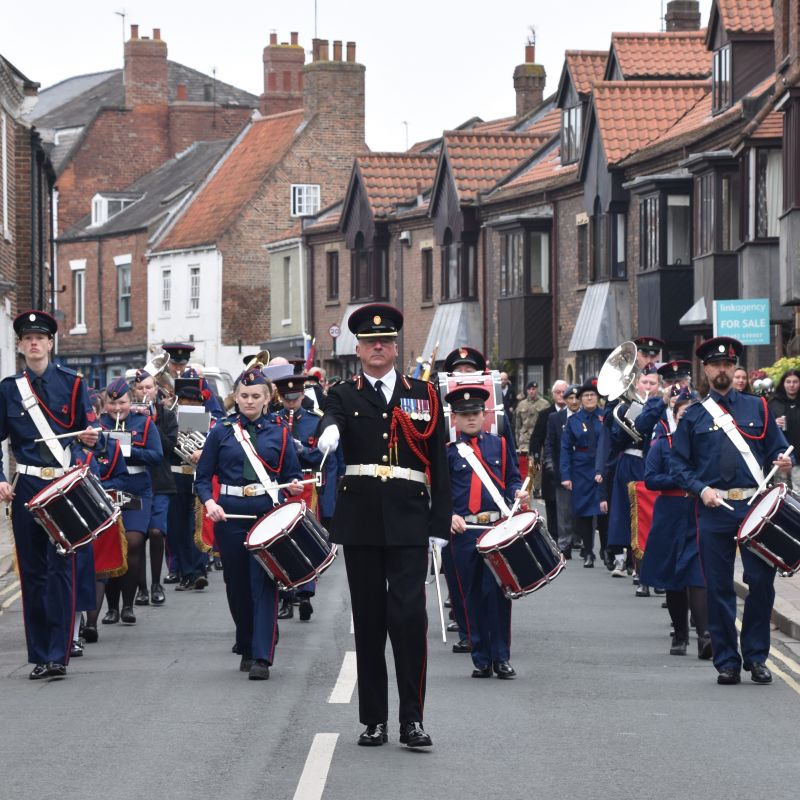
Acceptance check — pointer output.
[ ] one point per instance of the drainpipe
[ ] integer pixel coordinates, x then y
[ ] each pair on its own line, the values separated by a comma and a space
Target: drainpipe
302, 294
554, 295
101, 348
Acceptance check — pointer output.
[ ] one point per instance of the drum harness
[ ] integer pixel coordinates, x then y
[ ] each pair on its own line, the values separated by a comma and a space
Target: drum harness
727, 423
465, 451
31, 405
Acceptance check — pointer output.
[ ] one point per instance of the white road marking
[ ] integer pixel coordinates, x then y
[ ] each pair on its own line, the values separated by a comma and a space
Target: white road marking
787, 679
315, 771
6, 604
352, 625
346, 682
10, 588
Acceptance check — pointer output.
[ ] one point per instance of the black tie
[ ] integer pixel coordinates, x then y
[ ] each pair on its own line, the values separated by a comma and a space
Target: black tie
379, 390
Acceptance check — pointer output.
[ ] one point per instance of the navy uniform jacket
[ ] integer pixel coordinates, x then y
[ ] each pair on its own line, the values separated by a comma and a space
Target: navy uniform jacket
224, 457
105, 460
552, 444
304, 428
649, 416
702, 454
145, 446
395, 512
502, 469
583, 457
66, 407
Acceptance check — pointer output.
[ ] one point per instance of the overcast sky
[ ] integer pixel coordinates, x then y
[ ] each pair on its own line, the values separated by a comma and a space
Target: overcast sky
430, 63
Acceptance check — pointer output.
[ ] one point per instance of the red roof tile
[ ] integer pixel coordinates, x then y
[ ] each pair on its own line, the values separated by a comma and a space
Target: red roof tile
746, 16
540, 175
390, 178
680, 54
218, 203
494, 125
771, 127
586, 67
632, 114
547, 125
480, 160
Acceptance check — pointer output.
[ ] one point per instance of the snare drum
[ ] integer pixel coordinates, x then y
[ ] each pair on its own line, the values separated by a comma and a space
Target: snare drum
521, 554
290, 544
771, 529
74, 509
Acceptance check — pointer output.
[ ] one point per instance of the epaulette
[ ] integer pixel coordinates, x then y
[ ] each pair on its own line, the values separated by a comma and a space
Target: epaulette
68, 371
317, 412
226, 422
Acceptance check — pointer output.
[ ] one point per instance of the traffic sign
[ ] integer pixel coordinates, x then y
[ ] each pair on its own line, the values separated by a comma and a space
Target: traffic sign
334, 331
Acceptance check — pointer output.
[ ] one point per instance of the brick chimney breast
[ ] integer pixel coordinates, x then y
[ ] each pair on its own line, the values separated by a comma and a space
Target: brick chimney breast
529, 82
283, 76
145, 72
683, 15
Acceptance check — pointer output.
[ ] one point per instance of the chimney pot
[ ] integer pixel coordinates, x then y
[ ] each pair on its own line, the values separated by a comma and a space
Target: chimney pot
157, 34
273, 38
315, 49
682, 15
182, 93
351, 52
323, 50
337, 50
293, 38
134, 31
530, 53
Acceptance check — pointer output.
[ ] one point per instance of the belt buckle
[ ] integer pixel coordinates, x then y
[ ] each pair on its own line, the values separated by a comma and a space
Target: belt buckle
483, 519
735, 494
48, 472
384, 472
187, 470
249, 491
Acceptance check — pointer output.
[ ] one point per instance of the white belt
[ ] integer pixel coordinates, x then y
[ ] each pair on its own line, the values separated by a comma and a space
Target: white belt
483, 517
384, 472
736, 494
136, 470
251, 490
632, 451
184, 469
48, 473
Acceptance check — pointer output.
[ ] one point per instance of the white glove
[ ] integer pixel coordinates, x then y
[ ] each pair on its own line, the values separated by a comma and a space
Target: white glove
298, 445
435, 540
329, 439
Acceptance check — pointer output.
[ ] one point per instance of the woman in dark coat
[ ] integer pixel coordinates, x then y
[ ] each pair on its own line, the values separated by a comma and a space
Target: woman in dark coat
583, 453
785, 406
671, 557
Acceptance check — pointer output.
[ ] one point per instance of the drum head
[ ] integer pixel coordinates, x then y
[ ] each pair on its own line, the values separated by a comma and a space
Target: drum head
762, 509
273, 524
508, 529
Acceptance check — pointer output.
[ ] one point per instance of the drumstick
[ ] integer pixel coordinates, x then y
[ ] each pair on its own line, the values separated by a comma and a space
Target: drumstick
434, 553
517, 501
762, 486
292, 483
57, 436
238, 516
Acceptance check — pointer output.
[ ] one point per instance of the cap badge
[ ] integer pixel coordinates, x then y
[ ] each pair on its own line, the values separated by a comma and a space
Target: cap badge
376, 320
466, 395
462, 353
290, 385
32, 317
650, 342
722, 348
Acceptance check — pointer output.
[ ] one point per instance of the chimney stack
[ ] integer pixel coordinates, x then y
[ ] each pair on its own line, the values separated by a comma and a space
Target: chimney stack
683, 15
283, 76
145, 73
529, 81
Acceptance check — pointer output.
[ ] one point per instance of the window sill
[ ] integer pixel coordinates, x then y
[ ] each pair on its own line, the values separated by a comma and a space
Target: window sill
331, 303
286, 322
165, 315
78, 330
192, 313
124, 327
427, 304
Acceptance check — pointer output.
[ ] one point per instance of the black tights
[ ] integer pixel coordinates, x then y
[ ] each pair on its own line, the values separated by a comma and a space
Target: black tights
584, 527
678, 604
126, 584
156, 541
91, 616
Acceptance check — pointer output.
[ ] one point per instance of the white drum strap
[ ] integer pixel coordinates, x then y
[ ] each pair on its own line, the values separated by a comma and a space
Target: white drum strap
31, 404
728, 425
255, 462
472, 459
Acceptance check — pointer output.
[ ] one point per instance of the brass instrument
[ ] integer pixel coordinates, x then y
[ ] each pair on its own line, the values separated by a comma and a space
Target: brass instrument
616, 379
189, 443
258, 361
158, 369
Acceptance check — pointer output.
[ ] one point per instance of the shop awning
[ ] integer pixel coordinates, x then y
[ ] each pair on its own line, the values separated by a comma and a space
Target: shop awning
454, 325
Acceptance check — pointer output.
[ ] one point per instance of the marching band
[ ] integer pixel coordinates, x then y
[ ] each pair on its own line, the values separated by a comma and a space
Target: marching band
391, 468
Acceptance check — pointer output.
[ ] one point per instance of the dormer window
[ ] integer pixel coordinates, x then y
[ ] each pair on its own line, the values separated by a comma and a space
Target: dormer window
571, 134
305, 199
105, 207
721, 79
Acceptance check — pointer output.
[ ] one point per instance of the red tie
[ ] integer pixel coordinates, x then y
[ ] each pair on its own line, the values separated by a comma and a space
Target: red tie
475, 487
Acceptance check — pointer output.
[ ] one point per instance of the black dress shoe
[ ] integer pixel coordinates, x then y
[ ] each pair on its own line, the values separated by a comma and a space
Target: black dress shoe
127, 615
306, 609
567, 554
448, 603
642, 591
660, 591
55, 670
90, 634
588, 562
729, 676
111, 617
286, 610
759, 673
452, 626
172, 577
679, 645
482, 672
142, 598
38, 672
462, 647
200, 583
259, 671
245, 664
217, 563
704, 650
413, 734
75, 650
374, 735
504, 670
157, 597
185, 584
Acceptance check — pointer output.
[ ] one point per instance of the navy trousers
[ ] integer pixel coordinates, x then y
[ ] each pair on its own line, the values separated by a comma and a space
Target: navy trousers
189, 561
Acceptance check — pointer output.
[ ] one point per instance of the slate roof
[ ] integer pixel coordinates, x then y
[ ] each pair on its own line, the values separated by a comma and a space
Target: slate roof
746, 16
676, 55
260, 148
391, 178
159, 191
479, 160
586, 67
632, 114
